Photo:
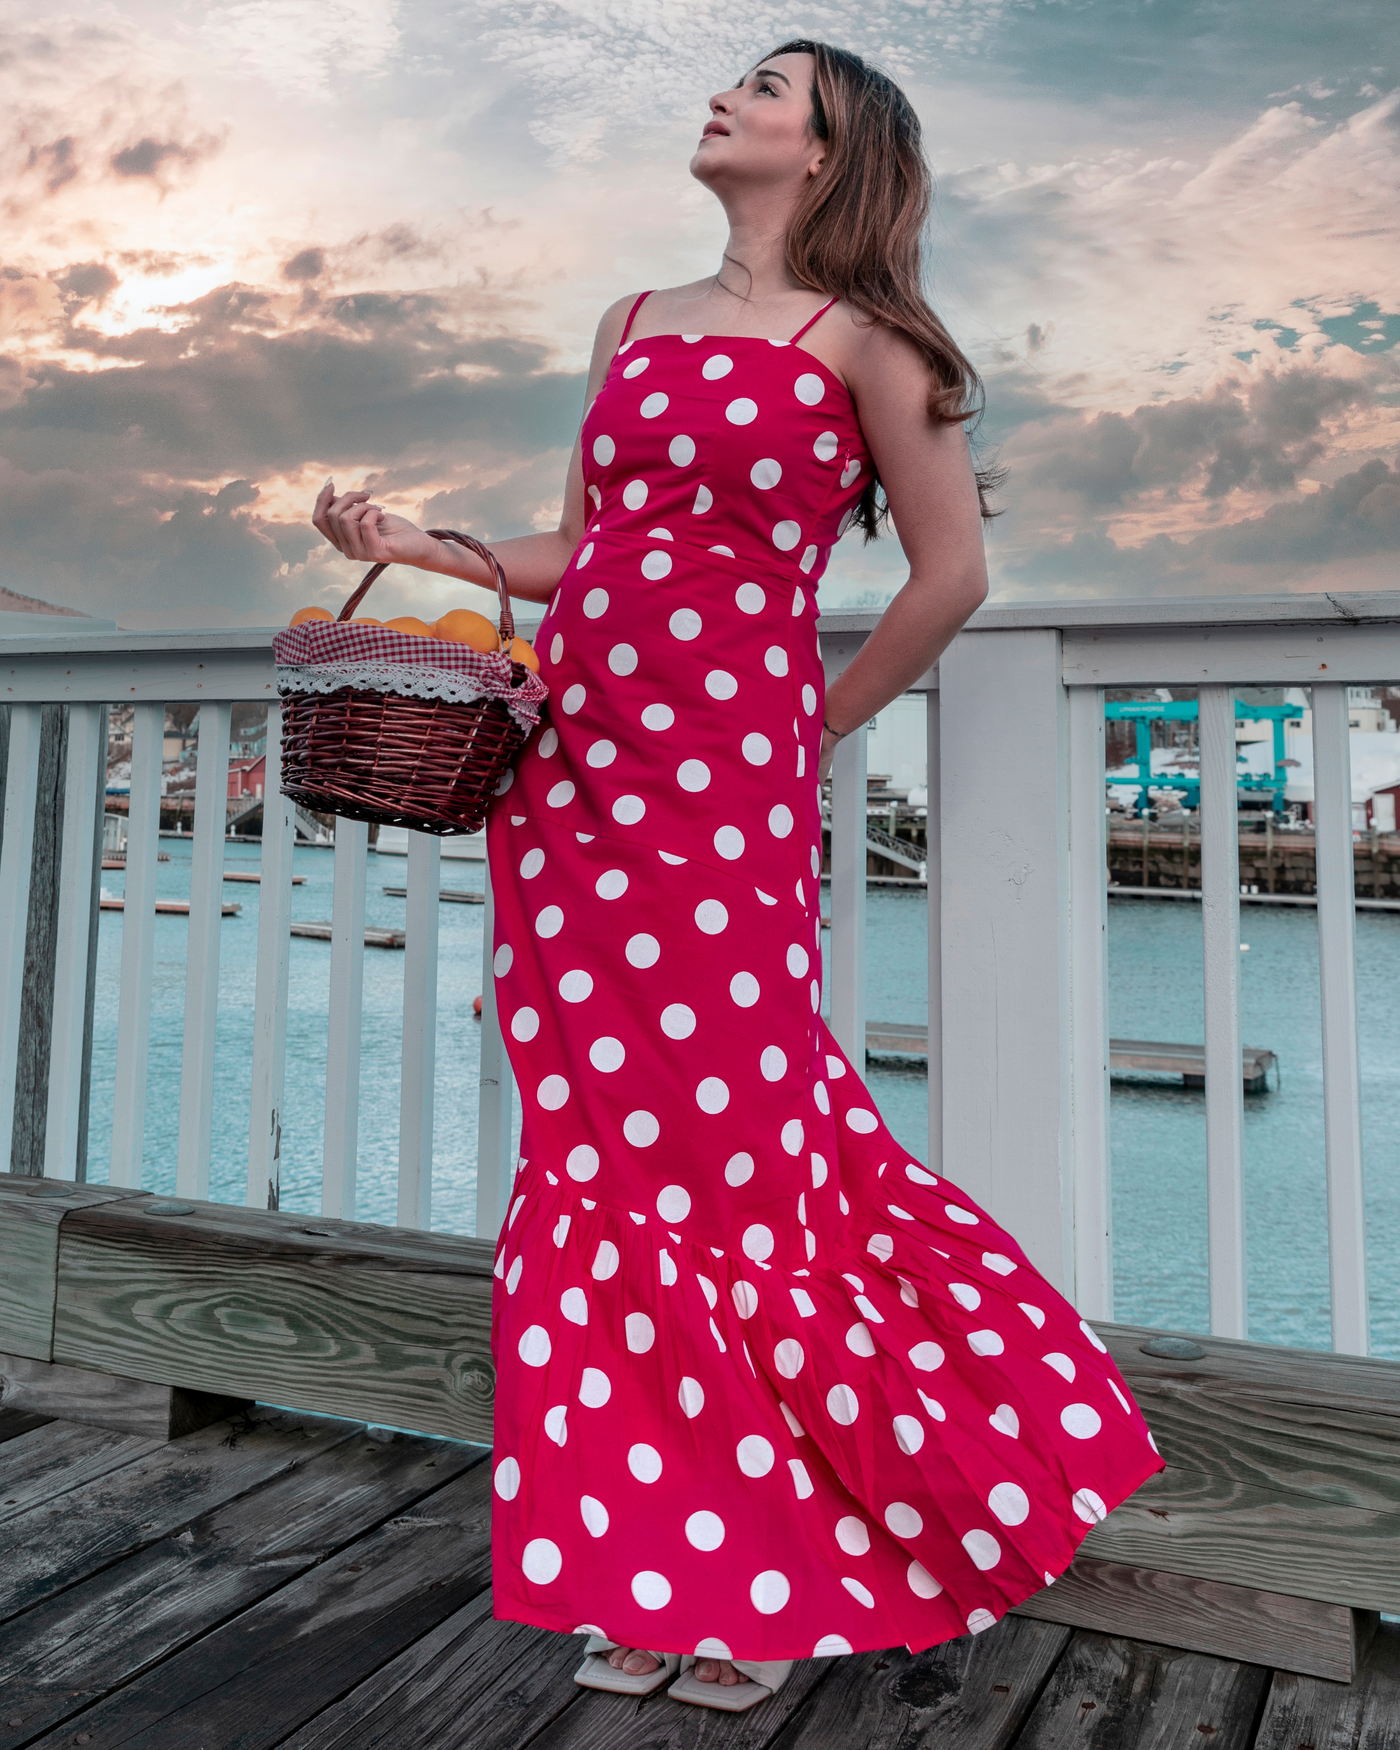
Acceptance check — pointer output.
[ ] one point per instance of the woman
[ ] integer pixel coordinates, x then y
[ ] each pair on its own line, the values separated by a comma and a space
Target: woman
767, 1388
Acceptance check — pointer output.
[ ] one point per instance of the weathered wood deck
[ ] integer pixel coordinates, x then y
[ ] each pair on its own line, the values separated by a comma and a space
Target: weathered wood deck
277, 1579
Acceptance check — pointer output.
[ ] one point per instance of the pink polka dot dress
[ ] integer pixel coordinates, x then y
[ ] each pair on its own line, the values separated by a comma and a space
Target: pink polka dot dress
767, 1387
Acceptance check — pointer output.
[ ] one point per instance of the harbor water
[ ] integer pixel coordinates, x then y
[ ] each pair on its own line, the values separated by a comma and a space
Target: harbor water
1158, 1128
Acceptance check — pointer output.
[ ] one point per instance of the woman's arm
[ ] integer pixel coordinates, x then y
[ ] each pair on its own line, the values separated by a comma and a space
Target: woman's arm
533, 564
928, 478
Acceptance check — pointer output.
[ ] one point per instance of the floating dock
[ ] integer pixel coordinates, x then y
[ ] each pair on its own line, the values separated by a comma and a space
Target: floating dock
374, 937
447, 895
178, 908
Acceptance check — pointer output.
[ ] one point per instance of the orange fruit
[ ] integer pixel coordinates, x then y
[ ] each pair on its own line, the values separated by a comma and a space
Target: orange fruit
520, 651
409, 623
463, 626
365, 620
304, 614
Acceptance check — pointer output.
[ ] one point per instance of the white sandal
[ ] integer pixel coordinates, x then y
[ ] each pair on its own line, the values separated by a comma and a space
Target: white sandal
596, 1673
766, 1677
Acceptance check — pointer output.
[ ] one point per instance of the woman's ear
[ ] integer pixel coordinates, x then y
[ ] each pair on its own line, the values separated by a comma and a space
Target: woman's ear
814, 168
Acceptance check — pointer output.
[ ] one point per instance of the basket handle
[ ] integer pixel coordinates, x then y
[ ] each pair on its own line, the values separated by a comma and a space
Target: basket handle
473, 546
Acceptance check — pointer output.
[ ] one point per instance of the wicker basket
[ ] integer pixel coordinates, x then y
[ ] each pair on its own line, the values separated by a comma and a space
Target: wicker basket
432, 764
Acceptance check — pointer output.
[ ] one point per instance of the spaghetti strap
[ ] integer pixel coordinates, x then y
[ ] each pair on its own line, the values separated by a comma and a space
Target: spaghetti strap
631, 314
805, 326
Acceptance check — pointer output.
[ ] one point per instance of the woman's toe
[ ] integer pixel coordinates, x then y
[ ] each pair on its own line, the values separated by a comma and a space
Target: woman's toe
639, 1664
728, 1676
707, 1670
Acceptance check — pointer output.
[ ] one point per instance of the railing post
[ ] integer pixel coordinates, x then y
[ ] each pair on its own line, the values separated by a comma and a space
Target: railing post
202, 965
1220, 944
1341, 1082
848, 858
270, 992
933, 835
138, 946
494, 1168
16, 862
346, 1007
415, 1203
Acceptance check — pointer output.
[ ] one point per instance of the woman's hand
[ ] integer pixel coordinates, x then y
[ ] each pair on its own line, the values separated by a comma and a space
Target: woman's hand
829, 742
369, 533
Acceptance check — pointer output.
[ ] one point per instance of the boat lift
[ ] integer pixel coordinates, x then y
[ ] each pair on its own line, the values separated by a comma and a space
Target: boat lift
1186, 788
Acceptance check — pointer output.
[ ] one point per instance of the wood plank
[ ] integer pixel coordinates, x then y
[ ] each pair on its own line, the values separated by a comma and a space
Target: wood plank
260, 1676
109, 1629
60, 1456
973, 1693
103, 1400
1302, 1713
66, 1539
40, 951
471, 1684
13, 1423
377, 1323
1203, 1616
30, 1212
1111, 1691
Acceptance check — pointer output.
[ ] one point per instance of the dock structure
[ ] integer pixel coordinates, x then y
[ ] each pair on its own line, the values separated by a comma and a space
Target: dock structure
1125, 1056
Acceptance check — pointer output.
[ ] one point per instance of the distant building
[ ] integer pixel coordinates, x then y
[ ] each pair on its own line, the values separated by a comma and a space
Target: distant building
246, 777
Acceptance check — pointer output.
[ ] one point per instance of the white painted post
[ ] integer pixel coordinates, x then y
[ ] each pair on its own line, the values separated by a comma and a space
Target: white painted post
270, 993
494, 1167
346, 1001
933, 833
848, 858
1220, 931
16, 862
1341, 1082
138, 946
202, 965
1088, 1044
87, 759
419, 1031
1005, 812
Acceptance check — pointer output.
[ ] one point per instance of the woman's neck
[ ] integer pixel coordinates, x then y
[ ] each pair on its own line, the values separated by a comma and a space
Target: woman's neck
754, 267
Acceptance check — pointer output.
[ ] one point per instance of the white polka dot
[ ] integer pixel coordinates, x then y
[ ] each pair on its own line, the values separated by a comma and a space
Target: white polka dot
853, 1535
980, 1620
534, 1347
658, 717
677, 1021
780, 820
745, 1298
729, 842
640, 1128
757, 1242
552, 1092
799, 602
508, 1479
769, 1592
692, 1396
861, 1593
711, 916
604, 449
584, 556
756, 748
505, 959
997, 1261
1005, 1420
908, 1433
1089, 1506
808, 559
720, 684
595, 603
859, 1341
750, 599
850, 471
861, 1120
704, 1530
622, 659
656, 565
573, 1303
818, 1172
651, 1590
983, 1548
831, 1647
826, 446
809, 699
513, 1275
921, 1583
842, 1405
880, 1246
594, 1388
1033, 1313
809, 388
765, 473
607, 1257
926, 1357
628, 810
772, 1063
835, 1068
673, 1204
541, 1561
642, 950
738, 1170
611, 884
985, 1343
803, 1486
710, 1647
755, 1455
965, 1295
561, 1230
685, 624
741, 412
1090, 1333
670, 857
524, 1024
1127, 1407
644, 1462
573, 699
634, 494
792, 1136
1081, 1420
556, 647
1061, 1363
560, 793
581, 1164
682, 451
955, 1212
531, 864
797, 963
704, 499
712, 1095
693, 775
788, 1357
743, 988
1010, 1503
786, 535
654, 405
641, 1332
607, 1054
595, 1515
775, 660
549, 922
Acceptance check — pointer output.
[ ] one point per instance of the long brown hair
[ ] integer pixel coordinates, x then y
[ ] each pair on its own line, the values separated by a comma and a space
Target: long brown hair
857, 233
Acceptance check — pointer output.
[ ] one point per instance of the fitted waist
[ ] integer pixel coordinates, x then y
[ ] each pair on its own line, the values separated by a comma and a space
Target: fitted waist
655, 559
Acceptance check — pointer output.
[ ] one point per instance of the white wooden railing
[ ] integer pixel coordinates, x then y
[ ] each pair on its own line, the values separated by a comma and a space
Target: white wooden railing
1018, 1036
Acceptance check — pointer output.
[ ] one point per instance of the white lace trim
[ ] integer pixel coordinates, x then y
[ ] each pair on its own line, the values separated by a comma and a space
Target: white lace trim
407, 682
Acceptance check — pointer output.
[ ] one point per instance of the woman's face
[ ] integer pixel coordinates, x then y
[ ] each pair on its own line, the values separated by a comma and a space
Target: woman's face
760, 131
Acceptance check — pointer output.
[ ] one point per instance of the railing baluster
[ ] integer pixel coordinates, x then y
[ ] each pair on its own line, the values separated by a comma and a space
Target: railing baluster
932, 836
494, 1168
848, 856
16, 861
1220, 930
346, 1004
270, 995
1088, 1009
419, 1031
1341, 1082
202, 964
138, 946
79, 867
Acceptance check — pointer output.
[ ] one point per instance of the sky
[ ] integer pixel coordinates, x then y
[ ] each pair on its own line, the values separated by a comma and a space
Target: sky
249, 245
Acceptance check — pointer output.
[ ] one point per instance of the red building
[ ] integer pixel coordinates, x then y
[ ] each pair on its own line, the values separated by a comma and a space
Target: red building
245, 777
